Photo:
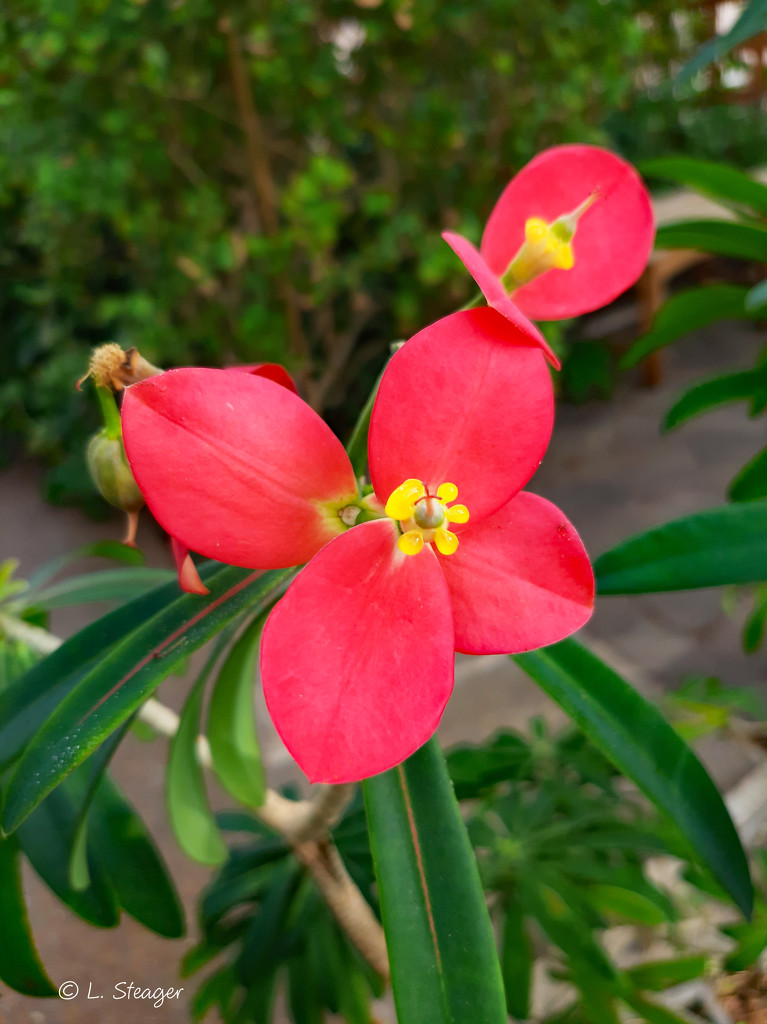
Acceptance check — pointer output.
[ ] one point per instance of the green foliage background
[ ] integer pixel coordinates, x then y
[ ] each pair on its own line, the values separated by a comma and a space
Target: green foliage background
269, 185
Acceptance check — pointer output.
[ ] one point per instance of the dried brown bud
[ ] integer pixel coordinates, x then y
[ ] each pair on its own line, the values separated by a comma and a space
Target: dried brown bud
114, 368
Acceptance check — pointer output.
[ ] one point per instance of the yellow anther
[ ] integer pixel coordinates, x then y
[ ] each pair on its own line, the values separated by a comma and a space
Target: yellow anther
447, 492
446, 541
563, 257
536, 230
457, 514
401, 503
411, 543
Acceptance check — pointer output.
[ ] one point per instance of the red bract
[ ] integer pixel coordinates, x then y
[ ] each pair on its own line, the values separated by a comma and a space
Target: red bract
357, 658
571, 232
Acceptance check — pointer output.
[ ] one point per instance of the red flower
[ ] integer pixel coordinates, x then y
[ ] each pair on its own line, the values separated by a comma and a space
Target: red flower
570, 233
357, 658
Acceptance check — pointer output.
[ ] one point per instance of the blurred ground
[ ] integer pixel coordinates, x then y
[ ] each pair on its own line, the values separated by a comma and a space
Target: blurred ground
609, 470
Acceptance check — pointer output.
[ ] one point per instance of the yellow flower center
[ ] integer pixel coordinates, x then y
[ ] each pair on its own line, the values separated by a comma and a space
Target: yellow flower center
546, 246
424, 517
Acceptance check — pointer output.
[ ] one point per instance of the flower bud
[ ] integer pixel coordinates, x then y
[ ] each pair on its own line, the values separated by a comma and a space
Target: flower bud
111, 473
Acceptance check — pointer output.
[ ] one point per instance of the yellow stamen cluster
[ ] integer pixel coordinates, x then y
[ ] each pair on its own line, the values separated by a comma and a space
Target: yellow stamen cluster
423, 517
546, 246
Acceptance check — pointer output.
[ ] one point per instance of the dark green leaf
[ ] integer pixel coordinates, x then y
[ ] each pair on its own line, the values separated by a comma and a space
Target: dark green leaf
657, 975
135, 867
720, 181
718, 237
46, 838
640, 742
20, 966
260, 953
688, 311
28, 703
625, 903
118, 683
751, 22
713, 548
93, 772
516, 961
751, 481
652, 1012
191, 818
714, 391
751, 939
231, 722
444, 964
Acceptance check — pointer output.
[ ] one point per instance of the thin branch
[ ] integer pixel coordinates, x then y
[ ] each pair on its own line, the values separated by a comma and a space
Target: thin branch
262, 180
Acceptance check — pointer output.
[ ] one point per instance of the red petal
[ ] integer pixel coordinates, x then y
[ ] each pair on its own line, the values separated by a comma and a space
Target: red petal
272, 371
188, 577
494, 291
468, 401
357, 658
519, 580
233, 466
612, 243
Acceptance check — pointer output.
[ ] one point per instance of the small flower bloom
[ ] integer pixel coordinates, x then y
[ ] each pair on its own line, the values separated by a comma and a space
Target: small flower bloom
357, 658
570, 233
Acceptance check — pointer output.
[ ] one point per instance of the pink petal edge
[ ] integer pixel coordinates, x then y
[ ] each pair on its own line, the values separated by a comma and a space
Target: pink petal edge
520, 579
495, 293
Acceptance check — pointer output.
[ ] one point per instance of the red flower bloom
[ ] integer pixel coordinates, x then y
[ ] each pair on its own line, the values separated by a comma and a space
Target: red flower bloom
570, 233
357, 658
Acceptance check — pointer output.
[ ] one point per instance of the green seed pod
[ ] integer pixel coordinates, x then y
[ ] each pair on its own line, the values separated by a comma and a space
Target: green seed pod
111, 473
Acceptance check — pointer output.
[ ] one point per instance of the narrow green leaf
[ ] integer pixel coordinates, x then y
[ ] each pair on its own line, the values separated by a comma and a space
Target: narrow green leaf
112, 549
46, 839
657, 975
752, 940
20, 965
133, 863
633, 906
516, 960
713, 548
444, 964
731, 186
27, 704
633, 734
111, 585
652, 1012
751, 22
751, 481
305, 1008
191, 817
686, 312
232, 725
260, 953
718, 237
756, 300
93, 772
714, 391
121, 680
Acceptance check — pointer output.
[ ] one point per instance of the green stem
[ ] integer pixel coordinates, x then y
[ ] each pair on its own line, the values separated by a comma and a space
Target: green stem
110, 413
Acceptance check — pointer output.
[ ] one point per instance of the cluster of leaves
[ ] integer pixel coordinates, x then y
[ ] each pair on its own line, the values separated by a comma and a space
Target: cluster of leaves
145, 199
264, 920
561, 844
744, 238
85, 841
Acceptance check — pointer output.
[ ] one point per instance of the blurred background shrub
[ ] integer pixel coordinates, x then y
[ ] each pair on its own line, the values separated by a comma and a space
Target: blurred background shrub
270, 185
